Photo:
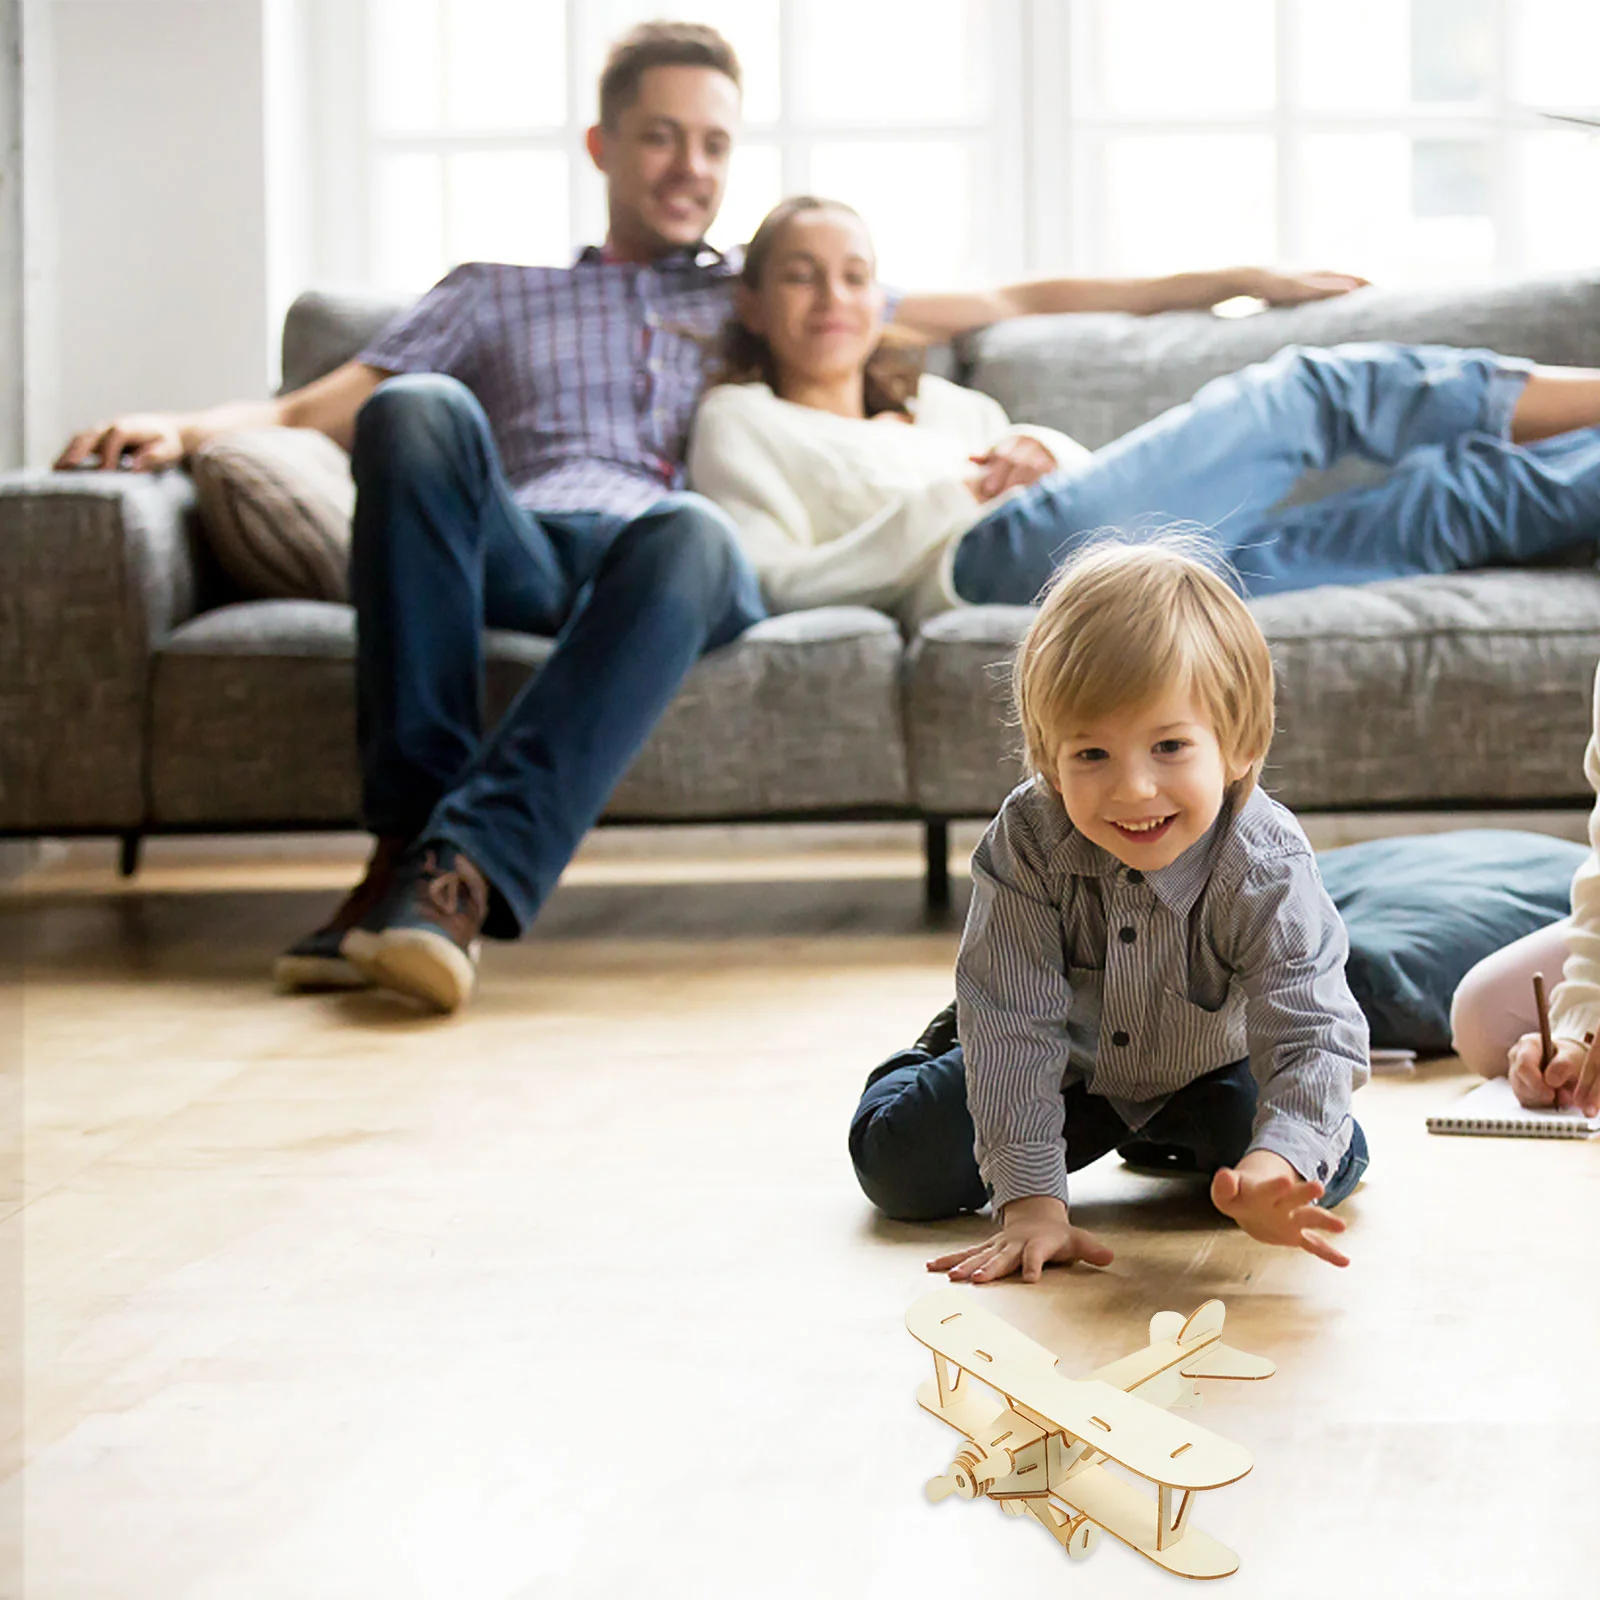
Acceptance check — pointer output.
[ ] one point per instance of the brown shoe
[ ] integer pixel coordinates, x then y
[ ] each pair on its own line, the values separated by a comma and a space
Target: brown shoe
317, 961
423, 941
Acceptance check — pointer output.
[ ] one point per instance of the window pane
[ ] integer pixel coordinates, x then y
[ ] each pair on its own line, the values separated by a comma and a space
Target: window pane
861, 61
408, 231
750, 26
1557, 184
1452, 45
1449, 178
1353, 55
1556, 52
1360, 204
504, 63
508, 205
403, 65
919, 245
755, 185
1177, 57
1178, 202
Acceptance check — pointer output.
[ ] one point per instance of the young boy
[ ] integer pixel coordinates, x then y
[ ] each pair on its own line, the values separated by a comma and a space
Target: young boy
1150, 961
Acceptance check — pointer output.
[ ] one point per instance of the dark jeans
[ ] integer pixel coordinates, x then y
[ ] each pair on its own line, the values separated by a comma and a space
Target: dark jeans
911, 1137
1460, 494
439, 551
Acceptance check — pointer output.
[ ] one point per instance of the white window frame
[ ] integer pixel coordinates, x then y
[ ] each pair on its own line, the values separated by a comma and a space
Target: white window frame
1063, 140
1041, 185
347, 151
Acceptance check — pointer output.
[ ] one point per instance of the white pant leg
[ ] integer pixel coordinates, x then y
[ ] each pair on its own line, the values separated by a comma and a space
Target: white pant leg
1493, 1008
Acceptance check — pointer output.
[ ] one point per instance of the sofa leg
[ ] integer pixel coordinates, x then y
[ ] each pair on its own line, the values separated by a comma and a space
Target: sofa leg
128, 855
936, 849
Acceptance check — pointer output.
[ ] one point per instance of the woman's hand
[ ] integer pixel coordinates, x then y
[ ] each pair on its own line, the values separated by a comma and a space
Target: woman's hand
1296, 288
1563, 1082
1033, 1231
1014, 461
1272, 1203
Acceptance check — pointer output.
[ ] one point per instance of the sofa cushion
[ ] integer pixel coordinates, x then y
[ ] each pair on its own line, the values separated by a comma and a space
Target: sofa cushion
323, 330
276, 503
1097, 376
253, 720
1423, 909
1473, 688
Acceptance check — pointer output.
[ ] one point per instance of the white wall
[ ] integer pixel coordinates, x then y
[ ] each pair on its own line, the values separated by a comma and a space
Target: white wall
11, 269
161, 206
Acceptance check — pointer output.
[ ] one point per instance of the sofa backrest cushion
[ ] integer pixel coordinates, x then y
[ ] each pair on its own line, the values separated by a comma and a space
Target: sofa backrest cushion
324, 329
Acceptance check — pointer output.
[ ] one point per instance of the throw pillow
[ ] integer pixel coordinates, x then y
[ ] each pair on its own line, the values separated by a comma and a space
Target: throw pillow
1424, 908
276, 504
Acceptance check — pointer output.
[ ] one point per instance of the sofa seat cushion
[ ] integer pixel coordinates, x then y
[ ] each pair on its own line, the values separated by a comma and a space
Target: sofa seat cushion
253, 720
1473, 688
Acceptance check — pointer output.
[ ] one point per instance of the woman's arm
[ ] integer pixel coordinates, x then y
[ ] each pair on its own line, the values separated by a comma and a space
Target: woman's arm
936, 317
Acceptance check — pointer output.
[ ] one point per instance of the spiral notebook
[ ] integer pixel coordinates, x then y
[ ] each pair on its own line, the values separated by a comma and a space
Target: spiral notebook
1493, 1108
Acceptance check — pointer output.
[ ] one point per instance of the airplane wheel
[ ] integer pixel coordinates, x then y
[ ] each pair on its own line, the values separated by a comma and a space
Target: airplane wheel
1082, 1537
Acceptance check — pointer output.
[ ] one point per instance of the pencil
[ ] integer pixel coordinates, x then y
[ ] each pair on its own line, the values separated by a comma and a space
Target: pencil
1547, 1047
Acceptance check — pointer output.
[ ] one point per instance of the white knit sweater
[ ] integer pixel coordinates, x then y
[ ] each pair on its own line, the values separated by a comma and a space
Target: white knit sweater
838, 511
1575, 1001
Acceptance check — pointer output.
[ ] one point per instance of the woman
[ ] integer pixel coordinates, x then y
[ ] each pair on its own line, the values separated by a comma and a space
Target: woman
850, 475
853, 481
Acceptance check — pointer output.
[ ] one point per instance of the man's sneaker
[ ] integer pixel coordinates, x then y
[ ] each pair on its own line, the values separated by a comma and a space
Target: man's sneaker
317, 961
423, 940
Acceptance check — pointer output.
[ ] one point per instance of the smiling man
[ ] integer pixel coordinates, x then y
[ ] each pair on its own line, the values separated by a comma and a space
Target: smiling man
517, 440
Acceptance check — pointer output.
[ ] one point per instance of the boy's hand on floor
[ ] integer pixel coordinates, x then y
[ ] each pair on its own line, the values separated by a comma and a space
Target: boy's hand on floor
1274, 1204
1558, 1084
1034, 1230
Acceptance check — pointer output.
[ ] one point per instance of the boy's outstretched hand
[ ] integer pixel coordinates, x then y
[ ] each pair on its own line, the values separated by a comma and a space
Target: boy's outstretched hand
1034, 1230
1272, 1203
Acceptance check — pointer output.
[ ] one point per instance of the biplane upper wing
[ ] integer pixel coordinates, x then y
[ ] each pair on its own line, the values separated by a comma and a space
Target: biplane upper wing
1130, 1431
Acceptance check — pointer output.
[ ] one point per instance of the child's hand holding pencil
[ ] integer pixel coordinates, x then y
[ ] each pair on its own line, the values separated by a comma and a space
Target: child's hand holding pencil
1547, 1072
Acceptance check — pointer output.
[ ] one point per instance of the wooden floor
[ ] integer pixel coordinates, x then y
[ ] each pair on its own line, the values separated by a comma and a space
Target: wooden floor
575, 1295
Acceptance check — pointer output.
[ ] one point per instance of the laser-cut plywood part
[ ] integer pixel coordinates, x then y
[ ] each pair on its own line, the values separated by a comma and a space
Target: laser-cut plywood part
1048, 1451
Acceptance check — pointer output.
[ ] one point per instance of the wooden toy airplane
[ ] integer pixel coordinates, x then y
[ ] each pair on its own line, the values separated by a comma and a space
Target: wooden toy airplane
1043, 1454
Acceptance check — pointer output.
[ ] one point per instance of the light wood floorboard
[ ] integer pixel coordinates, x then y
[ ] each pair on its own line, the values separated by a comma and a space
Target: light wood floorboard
575, 1295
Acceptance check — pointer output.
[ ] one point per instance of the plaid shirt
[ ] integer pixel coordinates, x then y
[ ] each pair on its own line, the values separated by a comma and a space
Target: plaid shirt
589, 374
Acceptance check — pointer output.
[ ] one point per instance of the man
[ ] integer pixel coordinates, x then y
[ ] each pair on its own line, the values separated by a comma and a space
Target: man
517, 443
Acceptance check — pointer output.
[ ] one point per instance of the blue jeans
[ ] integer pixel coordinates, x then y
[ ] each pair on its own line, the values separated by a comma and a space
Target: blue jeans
1460, 493
911, 1138
440, 550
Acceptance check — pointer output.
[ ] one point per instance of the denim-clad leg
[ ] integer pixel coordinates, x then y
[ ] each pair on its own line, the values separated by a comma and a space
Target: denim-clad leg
671, 585
441, 548
911, 1138
1478, 502
1227, 457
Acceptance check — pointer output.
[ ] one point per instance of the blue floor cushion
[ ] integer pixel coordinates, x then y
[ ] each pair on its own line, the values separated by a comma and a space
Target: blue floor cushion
1423, 909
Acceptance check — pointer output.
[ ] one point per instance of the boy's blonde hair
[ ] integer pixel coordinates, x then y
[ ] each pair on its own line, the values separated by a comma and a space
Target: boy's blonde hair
1123, 624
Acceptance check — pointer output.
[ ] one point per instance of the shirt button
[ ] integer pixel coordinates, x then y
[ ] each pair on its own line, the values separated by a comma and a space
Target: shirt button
1127, 935
1119, 1037
1134, 875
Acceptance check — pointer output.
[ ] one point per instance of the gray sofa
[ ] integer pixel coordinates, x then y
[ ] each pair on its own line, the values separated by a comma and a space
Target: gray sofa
138, 696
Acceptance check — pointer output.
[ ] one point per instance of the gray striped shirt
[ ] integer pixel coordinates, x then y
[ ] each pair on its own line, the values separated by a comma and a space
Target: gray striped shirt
1075, 968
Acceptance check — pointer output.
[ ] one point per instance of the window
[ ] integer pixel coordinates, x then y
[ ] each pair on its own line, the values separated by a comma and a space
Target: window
1398, 138
985, 139
465, 138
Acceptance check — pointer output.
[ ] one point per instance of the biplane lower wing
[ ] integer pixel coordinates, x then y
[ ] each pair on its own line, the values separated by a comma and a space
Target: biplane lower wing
1138, 1436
